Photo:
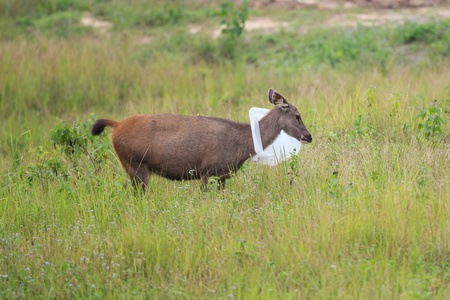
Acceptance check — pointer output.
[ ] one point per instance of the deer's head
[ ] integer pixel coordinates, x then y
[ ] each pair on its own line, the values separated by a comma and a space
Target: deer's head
288, 118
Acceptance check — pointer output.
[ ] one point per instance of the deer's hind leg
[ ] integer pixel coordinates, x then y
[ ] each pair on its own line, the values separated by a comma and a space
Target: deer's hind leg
139, 174
140, 177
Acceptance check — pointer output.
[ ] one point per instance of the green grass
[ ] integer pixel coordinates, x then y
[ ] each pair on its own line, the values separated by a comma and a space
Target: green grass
363, 212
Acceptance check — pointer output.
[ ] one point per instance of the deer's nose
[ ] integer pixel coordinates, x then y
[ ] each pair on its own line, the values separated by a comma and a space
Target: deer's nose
307, 138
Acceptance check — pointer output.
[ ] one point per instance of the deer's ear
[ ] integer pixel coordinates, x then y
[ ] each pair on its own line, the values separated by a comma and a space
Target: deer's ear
270, 96
276, 99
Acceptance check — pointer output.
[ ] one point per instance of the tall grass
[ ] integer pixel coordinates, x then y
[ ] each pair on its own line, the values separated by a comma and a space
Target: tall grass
362, 212
380, 231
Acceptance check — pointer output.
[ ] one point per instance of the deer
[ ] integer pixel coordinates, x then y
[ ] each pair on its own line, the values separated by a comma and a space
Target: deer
186, 147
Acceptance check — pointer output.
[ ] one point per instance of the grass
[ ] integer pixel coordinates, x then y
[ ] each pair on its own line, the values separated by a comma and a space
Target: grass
362, 212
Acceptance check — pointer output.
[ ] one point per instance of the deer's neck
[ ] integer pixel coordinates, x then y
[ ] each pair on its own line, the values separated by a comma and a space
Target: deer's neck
269, 128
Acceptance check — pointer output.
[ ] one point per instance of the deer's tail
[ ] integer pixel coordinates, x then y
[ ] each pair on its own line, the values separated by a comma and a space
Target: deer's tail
100, 125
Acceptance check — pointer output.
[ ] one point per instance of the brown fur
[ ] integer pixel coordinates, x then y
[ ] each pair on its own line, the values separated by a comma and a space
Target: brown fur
191, 147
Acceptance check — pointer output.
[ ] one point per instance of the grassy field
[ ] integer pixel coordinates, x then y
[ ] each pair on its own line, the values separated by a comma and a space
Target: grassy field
363, 212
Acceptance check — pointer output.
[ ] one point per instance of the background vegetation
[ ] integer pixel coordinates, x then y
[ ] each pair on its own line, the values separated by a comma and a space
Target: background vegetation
362, 212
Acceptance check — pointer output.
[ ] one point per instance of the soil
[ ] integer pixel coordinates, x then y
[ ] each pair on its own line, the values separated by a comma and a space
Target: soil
326, 4
89, 20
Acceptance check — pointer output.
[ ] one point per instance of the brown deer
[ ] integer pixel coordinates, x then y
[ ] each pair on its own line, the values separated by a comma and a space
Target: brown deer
181, 147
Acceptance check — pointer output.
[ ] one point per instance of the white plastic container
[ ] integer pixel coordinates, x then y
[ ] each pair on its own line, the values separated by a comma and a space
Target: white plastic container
280, 150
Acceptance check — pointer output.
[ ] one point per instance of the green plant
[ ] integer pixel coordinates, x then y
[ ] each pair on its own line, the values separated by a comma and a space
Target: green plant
333, 187
61, 23
77, 140
44, 166
213, 184
435, 34
432, 121
395, 102
233, 21
293, 164
59, 19
411, 32
360, 127
233, 18
372, 96
167, 16
124, 15
336, 190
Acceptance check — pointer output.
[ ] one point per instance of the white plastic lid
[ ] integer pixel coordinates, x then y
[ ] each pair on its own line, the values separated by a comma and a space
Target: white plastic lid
280, 150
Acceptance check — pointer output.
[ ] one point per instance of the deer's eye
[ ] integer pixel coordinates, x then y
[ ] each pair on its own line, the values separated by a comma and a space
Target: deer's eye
297, 117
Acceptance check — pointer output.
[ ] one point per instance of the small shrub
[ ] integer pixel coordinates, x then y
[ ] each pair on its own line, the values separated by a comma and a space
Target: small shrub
293, 167
372, 96
76, 141
360, 127
234, 19
125, 16
412, 32
166, 16
213, 185
434, 34
432, 121
395, 102
44, 167
61, 23
59, 19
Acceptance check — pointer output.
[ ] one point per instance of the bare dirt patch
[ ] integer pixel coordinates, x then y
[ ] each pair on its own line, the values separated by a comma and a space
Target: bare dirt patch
147, 39
87, 19
262, 24
326, 4
386, 17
